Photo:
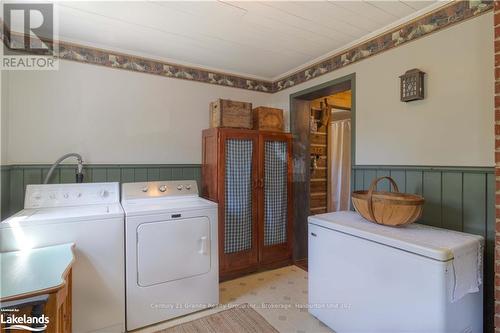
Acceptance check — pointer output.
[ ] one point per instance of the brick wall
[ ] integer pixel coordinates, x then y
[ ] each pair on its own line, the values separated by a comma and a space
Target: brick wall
496, 23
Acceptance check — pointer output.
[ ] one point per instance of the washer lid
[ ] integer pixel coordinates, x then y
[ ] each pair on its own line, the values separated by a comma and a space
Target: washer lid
431, 242
65, 214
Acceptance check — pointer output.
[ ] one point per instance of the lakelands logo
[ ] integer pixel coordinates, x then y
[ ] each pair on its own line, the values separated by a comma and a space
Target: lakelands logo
29, 37
24, 322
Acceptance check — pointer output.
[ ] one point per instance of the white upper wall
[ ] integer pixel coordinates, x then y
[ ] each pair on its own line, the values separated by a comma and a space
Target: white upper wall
109, 115
116, 116
452, 126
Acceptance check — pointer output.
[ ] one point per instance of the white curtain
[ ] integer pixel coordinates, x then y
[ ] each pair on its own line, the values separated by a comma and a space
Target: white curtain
339, 165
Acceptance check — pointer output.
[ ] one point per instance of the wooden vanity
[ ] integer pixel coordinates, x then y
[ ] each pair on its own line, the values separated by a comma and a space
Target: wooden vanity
37, 282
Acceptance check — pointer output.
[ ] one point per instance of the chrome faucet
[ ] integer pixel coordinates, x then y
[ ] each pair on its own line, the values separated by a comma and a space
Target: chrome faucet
79, 169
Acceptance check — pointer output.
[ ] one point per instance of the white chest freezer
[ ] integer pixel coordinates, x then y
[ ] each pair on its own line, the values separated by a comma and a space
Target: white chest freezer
366, 278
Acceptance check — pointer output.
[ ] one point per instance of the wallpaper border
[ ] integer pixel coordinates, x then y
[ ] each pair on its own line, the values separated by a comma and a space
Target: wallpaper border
443, 17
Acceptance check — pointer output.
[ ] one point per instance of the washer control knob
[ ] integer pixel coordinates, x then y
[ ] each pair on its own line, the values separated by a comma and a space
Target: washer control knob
163, 188
66, 195
37, 196
179, 187
188, 187
144, 189
104, 193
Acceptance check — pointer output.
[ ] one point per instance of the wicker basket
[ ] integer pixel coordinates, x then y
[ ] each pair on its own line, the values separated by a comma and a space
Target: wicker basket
388, 208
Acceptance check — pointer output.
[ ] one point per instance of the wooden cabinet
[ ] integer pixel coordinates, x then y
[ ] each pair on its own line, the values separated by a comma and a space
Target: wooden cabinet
59, 308
249, 174
49, 294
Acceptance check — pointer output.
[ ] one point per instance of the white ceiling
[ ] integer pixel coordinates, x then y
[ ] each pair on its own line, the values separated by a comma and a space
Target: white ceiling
261, 39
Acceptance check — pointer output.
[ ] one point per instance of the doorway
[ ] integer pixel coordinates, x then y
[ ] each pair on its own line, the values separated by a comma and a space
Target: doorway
313, 112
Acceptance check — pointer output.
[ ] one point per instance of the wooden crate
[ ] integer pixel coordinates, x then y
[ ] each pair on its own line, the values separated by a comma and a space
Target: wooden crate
227, 113
268, 119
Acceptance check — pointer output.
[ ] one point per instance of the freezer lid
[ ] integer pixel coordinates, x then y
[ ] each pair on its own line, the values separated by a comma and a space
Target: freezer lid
431, 242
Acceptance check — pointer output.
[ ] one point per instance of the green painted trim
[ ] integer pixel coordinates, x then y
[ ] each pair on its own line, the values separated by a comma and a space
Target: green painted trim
323, 85
5, 171
350, 77
425, 168
29, 166
353, 119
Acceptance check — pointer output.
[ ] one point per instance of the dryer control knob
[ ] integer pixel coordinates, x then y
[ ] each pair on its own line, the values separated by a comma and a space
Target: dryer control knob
179, 187
163, 188
188, 187
144, 189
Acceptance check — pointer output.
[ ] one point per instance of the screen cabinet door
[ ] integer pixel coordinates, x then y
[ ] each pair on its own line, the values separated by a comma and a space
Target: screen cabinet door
238, 246
275, 197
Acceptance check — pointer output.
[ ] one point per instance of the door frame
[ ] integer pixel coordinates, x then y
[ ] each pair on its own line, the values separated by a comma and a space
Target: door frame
301, 155
302, 95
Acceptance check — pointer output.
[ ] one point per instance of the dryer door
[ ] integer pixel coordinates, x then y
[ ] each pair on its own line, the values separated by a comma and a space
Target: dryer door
172, 250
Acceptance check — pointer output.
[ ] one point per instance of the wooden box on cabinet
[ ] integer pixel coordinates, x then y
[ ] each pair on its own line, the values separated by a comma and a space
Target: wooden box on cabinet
227, 113
249, 174
268, 119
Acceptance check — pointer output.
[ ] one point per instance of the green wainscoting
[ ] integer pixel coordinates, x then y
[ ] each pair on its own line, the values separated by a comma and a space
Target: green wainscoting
456, 198
15, 178
4, 191
460, 199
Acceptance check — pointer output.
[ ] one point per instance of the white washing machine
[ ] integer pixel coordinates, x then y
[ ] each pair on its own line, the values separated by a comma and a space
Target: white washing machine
89, 215
171, 251
367, 278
